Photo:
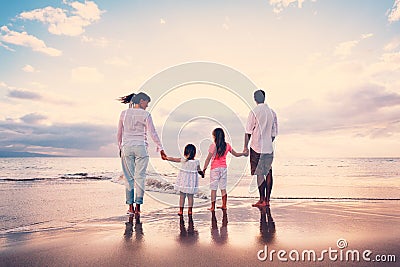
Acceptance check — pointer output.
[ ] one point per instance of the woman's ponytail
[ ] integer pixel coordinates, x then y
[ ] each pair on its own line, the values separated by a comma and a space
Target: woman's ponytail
134, 98
126, 99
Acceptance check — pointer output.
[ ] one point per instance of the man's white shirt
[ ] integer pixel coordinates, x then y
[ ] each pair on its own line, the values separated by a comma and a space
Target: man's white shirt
262, 125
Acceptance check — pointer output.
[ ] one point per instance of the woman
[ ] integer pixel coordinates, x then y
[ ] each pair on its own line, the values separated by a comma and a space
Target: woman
134, 124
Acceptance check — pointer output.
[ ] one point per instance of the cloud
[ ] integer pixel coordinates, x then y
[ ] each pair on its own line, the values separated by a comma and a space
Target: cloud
387, 67
66, 22
24, 39
358, 110
88, 10
28, 68
86, 75
280, 5
46, 96
391, 57
344, 49
384, 130
33, 118
366, 35
101, 42
81, 137
6, 47
366, 100
392, 45
394, 14
22, 94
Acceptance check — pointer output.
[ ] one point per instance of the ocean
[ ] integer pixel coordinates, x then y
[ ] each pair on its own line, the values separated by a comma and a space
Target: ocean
39, 194
352, 178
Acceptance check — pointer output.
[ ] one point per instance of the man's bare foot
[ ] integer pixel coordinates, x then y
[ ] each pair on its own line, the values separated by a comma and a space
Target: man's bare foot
222, 207
211, 209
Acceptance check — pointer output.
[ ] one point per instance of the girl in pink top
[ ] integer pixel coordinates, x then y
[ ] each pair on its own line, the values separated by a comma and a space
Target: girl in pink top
218, 173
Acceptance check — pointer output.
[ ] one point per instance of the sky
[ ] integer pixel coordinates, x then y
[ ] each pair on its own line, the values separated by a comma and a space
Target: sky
330, 69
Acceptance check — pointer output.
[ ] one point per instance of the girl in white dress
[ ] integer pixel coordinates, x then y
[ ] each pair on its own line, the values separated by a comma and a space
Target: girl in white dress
187, 182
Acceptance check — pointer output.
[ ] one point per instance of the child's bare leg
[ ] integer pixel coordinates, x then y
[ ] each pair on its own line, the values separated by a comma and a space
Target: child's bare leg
190, 203
224, 199
181, 202
213, 199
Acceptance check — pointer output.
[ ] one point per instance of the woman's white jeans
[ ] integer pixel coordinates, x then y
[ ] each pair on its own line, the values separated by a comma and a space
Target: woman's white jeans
134, 164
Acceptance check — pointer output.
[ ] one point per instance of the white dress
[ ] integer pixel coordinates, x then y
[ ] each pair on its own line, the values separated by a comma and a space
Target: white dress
188, 177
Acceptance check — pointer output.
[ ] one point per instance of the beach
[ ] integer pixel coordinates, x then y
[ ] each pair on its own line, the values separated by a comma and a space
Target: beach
239, 237
68, 212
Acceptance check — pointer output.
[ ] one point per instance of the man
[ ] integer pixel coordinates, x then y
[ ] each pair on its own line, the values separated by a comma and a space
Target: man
261, 128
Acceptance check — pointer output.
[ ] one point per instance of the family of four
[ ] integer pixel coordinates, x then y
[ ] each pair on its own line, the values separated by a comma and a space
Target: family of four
135, 123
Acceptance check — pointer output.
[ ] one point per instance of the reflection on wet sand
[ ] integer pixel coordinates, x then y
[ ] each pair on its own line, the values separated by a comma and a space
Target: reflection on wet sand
129, 228
187, 235
267, 225
219, 236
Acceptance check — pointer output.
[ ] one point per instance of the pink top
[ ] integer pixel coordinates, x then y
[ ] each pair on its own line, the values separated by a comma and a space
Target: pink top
218, 162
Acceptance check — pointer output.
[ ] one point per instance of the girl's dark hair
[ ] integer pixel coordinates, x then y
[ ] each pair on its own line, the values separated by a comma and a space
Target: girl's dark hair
219, 139
134, 98
190, 151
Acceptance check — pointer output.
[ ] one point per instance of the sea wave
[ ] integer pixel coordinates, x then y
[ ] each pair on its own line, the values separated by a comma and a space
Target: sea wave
80, 176
35, 228
70, 177
157, 185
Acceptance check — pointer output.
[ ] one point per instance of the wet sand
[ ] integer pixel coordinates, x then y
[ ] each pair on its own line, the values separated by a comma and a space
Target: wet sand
237, 237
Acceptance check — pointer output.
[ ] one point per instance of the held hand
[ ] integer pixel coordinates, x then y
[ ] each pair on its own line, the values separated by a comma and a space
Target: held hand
201, 173
246, 152
163, 155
